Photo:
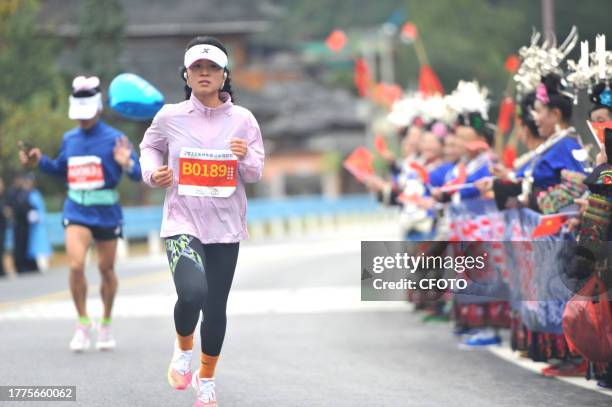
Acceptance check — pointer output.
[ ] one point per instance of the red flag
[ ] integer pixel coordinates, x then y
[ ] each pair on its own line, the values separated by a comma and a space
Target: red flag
362, 76
429, 84
409, 32
336, 40
549, 225
387, 94
509, 155
360, 163
598, 131
506, 112
380, 144
461, 175
512, 63
456, 184
420, 170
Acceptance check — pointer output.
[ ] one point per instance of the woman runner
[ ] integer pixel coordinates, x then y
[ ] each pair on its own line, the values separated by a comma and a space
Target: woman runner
213, 148
92, 159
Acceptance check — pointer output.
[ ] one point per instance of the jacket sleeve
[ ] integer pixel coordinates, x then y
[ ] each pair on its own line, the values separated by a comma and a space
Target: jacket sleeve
135, 174
152, 148
251, 166
57, 167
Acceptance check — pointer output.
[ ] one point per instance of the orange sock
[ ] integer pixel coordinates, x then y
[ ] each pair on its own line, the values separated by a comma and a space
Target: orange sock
208, 364
185, 342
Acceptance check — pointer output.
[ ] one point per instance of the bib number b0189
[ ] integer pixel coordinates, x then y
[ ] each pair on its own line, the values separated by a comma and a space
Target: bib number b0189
210, 173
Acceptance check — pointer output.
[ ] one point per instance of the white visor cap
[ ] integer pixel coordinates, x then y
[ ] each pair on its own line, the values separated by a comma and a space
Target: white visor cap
84, 108
205, 51
89, 100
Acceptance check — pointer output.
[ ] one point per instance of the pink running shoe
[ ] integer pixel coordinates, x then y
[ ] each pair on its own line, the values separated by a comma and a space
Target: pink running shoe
105, 339
205, 392
179, 371
81, 340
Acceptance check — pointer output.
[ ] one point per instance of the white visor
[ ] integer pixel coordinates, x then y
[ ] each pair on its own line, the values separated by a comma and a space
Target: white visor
84, 108
205, 51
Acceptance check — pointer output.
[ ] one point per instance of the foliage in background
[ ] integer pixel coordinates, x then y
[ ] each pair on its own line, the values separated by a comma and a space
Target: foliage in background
101, 34
464, 39
33, 99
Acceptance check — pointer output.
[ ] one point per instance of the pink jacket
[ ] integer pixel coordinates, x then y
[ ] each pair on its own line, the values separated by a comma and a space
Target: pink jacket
191, 124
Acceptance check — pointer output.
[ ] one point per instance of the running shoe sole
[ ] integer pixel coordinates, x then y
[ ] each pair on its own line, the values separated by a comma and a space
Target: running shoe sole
175, 384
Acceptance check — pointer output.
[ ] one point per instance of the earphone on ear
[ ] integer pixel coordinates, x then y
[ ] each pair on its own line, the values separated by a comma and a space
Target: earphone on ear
225, 75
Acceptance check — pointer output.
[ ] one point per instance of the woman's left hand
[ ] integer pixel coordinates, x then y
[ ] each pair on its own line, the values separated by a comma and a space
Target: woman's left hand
238, 147
122, 152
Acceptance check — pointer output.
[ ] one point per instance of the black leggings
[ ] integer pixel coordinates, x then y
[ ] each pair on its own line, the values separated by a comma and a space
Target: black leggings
203, 275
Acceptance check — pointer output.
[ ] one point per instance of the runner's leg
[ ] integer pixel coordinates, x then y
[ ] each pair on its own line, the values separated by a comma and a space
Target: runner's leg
220, 264
78, 239
185, 259
107, 250
185, 255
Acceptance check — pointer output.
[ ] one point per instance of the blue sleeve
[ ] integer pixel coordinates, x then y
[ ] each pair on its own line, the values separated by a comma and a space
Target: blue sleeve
548, 170
438, 175
473, 192
560, 157
566, 160
135, 174
469, 193
57, 167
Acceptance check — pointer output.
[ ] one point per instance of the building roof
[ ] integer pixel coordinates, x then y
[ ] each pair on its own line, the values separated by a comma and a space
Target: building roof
162, 17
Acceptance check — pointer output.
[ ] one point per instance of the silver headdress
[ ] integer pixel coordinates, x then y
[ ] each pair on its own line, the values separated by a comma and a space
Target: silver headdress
591, 69
469, 97
540, 60
406, 110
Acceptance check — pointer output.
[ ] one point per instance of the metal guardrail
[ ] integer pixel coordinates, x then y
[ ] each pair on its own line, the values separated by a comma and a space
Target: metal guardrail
140, 222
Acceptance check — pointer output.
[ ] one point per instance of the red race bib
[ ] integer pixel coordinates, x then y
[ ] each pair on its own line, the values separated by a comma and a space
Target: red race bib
212, 173
85, 172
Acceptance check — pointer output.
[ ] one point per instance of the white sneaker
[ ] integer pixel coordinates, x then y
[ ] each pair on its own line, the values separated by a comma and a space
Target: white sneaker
205, 392
81, 340
105, 340
179, 371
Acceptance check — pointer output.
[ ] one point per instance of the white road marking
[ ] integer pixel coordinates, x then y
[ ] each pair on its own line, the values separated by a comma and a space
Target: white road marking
241, 302
507, 354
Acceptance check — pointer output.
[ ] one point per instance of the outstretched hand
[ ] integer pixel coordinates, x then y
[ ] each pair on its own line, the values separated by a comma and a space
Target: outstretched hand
122, 152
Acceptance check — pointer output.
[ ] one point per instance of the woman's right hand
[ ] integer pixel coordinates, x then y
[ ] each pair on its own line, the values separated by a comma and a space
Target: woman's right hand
499, 171
163, 177
30, 159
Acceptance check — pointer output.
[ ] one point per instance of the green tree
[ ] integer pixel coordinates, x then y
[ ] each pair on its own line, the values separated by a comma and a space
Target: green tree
33, 100
464, 39
102, 31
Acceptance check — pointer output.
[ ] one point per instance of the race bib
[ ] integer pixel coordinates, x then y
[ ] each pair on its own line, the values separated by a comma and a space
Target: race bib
85, 173
211, 173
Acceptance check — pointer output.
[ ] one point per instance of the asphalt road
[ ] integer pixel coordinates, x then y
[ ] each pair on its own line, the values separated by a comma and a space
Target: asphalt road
298, 335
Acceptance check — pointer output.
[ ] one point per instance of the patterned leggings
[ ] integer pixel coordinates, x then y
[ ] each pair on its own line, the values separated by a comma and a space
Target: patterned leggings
203, 275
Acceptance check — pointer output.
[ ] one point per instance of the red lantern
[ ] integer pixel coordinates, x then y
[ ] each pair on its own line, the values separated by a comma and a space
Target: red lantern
409, 31
506, 112
336, 40
362, 77
512, 63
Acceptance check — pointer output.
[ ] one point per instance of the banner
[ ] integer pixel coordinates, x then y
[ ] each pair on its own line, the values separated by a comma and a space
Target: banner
528, 272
